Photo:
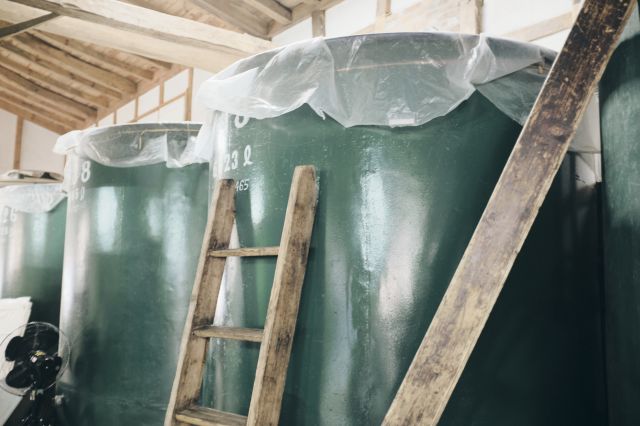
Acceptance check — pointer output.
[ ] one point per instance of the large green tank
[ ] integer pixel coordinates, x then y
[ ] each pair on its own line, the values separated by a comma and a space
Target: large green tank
620, 128
135, 223
32, 221
397, 207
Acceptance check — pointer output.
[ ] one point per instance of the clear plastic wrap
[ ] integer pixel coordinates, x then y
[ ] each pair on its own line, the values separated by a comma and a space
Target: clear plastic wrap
438, 71
36, 198
420, 77
133, 145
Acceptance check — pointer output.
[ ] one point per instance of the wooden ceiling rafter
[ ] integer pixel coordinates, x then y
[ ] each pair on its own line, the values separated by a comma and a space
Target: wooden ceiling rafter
272, 9
69, 62
46, 95
54, 85
11, 30
238, 17
57, 115
62, 74
40, 120
92, 56
301, 12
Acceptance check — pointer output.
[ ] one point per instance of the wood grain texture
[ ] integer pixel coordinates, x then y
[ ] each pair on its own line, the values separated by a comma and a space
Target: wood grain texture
14, 29
282, 313
234, 333
509, 215
204, 297
246, 252
202, 416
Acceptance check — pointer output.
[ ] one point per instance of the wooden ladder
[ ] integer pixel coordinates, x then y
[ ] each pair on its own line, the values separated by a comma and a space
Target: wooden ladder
276, 338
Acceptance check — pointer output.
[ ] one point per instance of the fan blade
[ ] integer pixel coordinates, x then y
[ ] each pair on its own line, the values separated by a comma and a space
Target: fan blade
20, 377
17, 348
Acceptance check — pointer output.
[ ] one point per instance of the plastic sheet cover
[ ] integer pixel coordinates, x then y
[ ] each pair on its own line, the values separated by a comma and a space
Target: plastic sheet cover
133, 145
347, 79
37, 198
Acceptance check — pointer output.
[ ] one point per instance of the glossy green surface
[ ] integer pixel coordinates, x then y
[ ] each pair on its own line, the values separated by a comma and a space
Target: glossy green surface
620, 127
31, 251
396, 210
133, 239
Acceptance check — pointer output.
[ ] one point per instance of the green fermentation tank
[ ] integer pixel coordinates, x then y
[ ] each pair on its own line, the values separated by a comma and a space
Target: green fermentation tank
397, 207
31, 247
135, 223
620, 128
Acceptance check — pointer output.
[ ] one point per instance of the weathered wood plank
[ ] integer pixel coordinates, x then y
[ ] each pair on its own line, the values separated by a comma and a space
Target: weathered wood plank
272, 9
202, 416
234, 333
34, 118
77, 109
246, 252
204, 297
75, 65
14, 29
148, 22
282, 312
318, 28
509, 215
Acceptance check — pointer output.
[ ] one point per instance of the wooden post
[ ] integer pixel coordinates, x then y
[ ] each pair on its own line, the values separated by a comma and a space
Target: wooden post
470, 15
318, 28
511, 210
17, 147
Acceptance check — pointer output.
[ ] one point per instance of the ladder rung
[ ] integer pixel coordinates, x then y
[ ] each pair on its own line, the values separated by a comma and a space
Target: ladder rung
203, 416
246, 252
235, 333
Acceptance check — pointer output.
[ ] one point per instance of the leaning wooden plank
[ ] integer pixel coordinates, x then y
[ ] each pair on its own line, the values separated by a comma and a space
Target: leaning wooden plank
14, 29
282, 313
146, 21
188, 380
509, 215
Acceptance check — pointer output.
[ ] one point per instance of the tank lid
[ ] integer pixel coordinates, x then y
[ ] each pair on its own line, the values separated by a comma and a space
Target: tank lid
18, 177
32, 198
132, 145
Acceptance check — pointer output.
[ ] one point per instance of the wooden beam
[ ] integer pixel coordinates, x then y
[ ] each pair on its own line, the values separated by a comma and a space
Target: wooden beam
543, 28
383, 10
509, 215
34, 118
318, 28
14, 29
75, 65
76, 108
39, 108
142, 31
50, 83
87, 54
272, 9
441, 15
234, 15
300, 13
17, 146
15, 49
470, 16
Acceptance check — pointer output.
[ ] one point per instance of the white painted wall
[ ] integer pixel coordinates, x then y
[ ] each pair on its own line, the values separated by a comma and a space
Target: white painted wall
37, 146
7, 140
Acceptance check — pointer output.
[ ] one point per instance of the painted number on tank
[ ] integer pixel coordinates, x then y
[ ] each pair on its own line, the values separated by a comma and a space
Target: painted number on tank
231, 160
242, 185
85, 173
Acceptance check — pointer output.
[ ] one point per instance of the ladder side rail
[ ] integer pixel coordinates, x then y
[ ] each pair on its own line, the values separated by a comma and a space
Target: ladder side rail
204, 297
282, 313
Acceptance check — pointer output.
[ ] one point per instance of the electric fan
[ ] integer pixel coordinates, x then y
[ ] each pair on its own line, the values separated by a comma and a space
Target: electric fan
35, 356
